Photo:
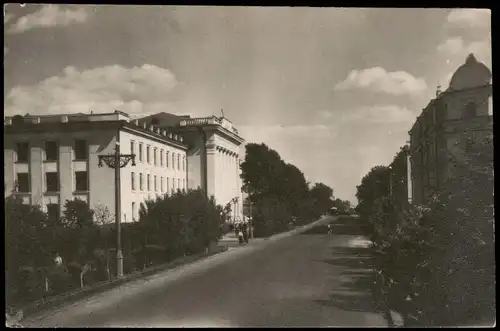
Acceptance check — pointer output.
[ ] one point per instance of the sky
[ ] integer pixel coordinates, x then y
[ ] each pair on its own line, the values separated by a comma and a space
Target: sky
333, 90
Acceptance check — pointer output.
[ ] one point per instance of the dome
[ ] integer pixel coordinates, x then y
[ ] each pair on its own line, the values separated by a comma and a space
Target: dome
470, 74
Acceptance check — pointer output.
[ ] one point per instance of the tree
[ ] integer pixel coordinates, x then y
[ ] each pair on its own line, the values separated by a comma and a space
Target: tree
322, 196
104, 219
374, 185
262, 170
343, 206
28, 248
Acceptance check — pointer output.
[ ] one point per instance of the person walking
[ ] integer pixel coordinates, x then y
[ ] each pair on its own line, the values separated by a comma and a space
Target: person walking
240, 237
329, 230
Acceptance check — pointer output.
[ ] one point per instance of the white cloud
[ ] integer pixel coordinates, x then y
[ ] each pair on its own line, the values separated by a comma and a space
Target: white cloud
378, 79
134, 90
470, 18
49, 16
388, 114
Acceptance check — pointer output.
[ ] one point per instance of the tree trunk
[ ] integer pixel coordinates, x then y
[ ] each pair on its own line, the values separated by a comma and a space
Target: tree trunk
107, 259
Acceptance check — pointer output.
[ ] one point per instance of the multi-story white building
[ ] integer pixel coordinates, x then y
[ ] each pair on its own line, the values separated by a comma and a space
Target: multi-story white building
51, 159
214, 156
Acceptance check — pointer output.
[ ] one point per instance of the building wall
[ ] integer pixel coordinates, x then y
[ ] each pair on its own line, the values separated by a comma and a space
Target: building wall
224, 172
435, 138
172, 176
100, 184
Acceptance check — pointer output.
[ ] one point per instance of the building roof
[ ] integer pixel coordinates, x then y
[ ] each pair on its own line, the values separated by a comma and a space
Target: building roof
469, 75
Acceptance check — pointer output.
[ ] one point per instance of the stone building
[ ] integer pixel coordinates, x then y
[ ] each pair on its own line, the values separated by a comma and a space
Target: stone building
465, 106
54, 158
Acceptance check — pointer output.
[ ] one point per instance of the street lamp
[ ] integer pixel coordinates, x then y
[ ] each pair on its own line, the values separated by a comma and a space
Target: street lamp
117, 161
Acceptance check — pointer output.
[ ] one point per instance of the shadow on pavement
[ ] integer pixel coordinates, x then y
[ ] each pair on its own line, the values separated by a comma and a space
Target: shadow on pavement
355, 290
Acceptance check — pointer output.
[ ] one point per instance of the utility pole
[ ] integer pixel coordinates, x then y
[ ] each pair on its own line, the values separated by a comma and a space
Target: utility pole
117, 161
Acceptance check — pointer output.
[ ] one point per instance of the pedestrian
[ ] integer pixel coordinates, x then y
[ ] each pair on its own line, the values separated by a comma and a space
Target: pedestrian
245, 233
329, 230
240, 237
58, 260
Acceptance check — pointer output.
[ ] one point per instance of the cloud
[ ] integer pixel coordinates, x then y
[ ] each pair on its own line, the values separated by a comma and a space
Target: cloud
49, 16
387, 114
379, 80
136, 90
469, 18
456, 49
7, 17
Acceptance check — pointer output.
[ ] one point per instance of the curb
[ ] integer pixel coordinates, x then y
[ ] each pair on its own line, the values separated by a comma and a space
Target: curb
76, 295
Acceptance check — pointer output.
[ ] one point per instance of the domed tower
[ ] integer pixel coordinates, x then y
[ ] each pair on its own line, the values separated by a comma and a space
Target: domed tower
469, 91
471, 74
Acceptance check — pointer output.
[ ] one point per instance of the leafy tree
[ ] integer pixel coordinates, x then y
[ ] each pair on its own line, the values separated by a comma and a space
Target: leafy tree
104, 219
322, 196
374, 185
28, 247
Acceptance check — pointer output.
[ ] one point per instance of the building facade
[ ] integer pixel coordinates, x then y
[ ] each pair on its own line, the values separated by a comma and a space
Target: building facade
465, 106
214, 156
51, 159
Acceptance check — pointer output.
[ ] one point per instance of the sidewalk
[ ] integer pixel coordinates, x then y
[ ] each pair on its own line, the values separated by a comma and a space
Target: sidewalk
163, 277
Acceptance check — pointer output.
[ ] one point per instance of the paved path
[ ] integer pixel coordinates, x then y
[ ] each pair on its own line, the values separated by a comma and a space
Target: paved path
308, 279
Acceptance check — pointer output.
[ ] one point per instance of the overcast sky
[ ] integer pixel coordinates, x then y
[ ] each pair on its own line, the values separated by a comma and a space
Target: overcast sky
334, 91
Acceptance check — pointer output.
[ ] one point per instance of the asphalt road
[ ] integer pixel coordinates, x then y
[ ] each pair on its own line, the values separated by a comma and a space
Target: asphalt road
308, 279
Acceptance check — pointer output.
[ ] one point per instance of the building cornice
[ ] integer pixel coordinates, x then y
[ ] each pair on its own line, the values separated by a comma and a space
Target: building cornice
127, 127
159, 136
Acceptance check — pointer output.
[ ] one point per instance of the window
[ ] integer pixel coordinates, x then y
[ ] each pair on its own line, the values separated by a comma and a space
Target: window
52, 180
53, 211
166, 158
81, 149
184, 184
148, 156
173, 160
161, 184
132, 181
179, 184
141, 185
470, 110
183, 163
81, 181
23, 154
154, 179
23, 182
168, 184
51, 151
132, 147
133, 211
173, 184
140, 152
178, 161
149, 183
161, 158
154, 156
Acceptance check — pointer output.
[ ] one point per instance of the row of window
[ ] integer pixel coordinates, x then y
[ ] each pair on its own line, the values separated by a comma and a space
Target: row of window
52, 183
164, 157
51, 151
171, 183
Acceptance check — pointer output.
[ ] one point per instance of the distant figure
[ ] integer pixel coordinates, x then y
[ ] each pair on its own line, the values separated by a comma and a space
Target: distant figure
58, 260
240, 236
329, 230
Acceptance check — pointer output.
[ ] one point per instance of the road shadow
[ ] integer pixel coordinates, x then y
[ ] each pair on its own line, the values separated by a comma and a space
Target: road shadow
355, 291
343, 225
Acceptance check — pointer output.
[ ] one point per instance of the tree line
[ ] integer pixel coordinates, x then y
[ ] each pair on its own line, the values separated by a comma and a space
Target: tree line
169, 227
435, 263
280, 195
